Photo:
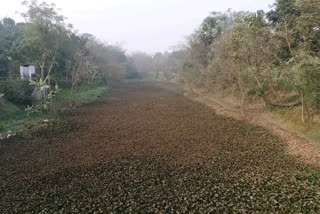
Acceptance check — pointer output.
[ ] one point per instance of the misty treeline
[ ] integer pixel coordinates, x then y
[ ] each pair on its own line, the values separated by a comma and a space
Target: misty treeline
270, 57
61, 55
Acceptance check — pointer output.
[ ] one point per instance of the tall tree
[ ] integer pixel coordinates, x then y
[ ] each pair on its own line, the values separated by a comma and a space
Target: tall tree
9, 35
43, 35
283, 11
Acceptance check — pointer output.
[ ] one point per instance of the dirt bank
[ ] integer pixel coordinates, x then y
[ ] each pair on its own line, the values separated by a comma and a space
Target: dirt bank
297, 144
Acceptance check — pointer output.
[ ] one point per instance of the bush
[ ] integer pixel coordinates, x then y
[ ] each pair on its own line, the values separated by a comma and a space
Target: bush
64, 84
17, 91
1, 127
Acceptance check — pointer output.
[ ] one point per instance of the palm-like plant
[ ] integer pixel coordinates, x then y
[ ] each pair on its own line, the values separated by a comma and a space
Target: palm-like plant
45, 97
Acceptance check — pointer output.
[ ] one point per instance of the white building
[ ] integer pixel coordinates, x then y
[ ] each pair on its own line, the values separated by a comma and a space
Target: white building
27, 70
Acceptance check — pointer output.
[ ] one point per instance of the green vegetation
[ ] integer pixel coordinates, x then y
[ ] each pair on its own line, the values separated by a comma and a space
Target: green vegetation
290, 116
16, 91
81, 95
11, 115
14, 118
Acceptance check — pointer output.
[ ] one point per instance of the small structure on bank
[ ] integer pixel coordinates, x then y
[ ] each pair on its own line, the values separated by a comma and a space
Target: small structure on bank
27, 71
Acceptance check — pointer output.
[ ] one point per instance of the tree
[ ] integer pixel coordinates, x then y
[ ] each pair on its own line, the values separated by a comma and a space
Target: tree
260, 53
175, 61
283, 11
282, 17
158, 64
9, 36
306, 64
43, 37
132, 71
143, 63
110, 60
218, 23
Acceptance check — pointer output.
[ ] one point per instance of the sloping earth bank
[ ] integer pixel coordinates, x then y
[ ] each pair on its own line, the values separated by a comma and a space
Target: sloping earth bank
145, 149
297, 143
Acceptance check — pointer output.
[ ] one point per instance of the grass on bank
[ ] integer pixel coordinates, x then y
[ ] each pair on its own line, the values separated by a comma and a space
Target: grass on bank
81, 95
292, 118
13, 117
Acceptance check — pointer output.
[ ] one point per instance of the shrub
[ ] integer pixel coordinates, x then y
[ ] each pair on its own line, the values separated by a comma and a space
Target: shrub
17, 91
64, 84
1, 127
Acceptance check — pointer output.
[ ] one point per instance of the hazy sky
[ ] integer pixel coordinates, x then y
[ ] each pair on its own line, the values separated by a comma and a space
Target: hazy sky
144, 25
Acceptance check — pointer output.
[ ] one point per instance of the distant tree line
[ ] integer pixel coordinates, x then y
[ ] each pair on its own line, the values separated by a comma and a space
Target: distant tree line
272, 57
160, 66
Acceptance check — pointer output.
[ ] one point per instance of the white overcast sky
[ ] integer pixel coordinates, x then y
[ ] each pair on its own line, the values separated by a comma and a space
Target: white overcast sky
139, 25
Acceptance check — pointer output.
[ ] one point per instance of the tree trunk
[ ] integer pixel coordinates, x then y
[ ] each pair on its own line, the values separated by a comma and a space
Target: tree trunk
302, 108
301, 95
298, 103
42, 74
242, 98
50, 69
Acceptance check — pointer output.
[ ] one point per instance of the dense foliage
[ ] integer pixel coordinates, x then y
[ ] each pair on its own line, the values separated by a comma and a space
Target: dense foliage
272, 57
17, 91
60, 53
